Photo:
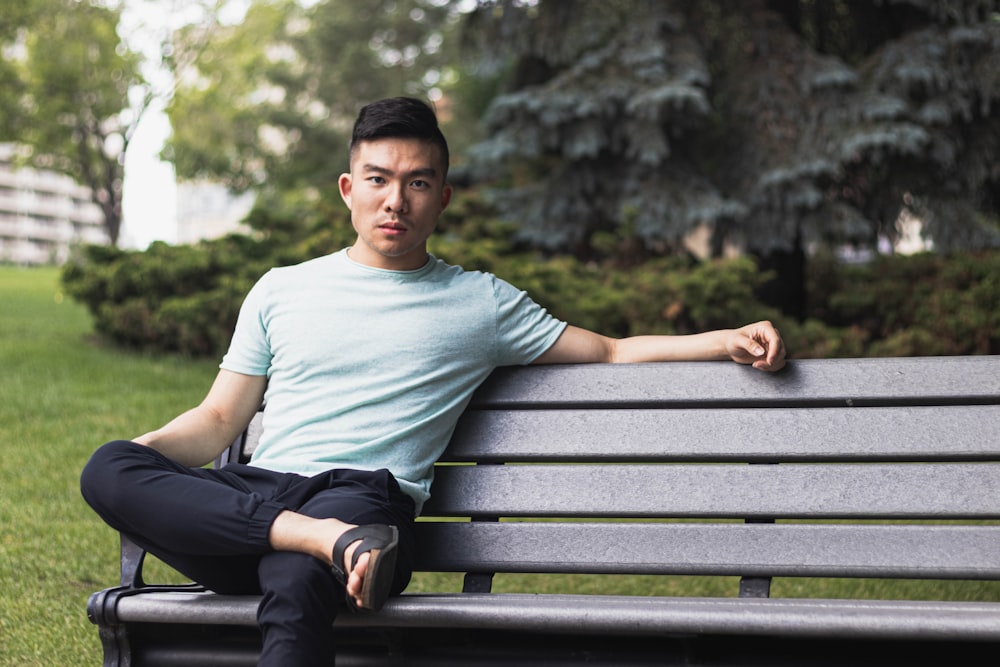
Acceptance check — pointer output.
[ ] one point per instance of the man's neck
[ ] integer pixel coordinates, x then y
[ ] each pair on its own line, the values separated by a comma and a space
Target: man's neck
409, 262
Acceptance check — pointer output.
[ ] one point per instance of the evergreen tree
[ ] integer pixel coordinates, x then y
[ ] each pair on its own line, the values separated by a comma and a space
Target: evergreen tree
780, 124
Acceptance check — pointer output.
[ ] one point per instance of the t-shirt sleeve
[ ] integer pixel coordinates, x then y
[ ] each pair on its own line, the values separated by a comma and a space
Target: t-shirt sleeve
249, 352
525, 330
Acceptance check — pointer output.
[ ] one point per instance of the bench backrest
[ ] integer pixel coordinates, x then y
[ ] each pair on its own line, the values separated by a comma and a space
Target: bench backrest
693, 468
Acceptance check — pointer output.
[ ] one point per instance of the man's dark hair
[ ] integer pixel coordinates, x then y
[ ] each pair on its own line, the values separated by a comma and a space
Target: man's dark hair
399, 118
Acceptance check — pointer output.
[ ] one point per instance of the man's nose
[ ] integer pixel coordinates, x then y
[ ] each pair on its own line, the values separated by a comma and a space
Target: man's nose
395, 200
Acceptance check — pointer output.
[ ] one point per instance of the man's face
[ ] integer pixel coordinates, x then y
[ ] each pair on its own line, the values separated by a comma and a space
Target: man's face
396, 191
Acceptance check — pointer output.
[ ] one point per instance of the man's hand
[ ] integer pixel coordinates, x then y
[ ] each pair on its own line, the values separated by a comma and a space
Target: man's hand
759, 344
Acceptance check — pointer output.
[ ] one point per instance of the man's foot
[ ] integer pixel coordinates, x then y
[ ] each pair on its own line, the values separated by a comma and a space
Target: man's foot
364, 562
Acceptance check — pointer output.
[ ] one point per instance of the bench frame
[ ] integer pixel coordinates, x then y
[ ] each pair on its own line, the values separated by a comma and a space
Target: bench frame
882, 468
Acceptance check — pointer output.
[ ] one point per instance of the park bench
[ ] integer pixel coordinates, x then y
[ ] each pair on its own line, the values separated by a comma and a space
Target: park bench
850, 468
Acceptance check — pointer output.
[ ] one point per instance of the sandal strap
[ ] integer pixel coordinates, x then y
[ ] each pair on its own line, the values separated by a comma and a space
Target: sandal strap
372, 536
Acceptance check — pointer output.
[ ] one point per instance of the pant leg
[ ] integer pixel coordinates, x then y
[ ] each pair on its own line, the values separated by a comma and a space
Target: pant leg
210, 525
301, 597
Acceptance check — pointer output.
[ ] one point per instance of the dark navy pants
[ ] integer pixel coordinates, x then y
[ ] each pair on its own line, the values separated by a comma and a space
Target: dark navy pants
212, 526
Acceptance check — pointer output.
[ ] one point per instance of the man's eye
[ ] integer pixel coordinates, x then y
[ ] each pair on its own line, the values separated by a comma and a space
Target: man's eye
420, 184
377, 180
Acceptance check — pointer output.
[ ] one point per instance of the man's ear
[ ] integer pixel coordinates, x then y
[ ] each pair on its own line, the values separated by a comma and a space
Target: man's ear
446, 193
345, 184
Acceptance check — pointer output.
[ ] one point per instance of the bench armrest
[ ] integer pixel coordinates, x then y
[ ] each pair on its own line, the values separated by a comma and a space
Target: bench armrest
132, 558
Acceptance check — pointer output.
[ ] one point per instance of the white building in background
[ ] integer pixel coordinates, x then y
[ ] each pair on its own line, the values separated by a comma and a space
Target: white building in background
208, 211
43, 214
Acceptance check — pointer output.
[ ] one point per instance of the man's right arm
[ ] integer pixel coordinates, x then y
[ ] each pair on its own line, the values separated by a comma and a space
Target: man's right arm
197, 436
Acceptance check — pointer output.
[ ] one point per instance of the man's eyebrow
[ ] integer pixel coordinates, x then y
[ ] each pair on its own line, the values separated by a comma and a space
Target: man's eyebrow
421, 171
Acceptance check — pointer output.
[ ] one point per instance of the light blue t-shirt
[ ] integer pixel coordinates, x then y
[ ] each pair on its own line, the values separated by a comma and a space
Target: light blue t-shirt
370, 368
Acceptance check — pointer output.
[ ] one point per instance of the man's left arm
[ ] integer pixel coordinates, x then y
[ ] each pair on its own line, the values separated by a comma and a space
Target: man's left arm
758, 344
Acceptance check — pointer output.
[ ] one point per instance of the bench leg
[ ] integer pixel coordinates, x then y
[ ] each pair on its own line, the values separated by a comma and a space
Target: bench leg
478, 582
114, 640
755, 587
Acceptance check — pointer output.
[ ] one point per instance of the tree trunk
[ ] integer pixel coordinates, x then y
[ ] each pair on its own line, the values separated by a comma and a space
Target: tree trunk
787, 290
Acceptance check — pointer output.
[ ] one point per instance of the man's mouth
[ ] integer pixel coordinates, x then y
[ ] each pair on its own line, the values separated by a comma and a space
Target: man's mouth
393, 227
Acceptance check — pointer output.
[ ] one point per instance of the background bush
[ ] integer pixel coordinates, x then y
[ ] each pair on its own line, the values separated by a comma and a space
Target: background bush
170, 298
186, 298
912, 306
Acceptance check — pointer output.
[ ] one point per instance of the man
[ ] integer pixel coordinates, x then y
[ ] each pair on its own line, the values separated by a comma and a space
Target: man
365, 359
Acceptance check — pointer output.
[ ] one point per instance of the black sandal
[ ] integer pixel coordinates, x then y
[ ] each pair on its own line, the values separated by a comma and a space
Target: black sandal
382, 542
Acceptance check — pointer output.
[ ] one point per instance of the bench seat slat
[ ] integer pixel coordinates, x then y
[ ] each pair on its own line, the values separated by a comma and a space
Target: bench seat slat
725, 434
886, 381
578, 614
794, 550
917, 491
628, 615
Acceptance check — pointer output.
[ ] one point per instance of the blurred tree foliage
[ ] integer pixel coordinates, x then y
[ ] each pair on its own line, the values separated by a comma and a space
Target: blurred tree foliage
268, 104
783, 125
16, 18
73, 93
611, 131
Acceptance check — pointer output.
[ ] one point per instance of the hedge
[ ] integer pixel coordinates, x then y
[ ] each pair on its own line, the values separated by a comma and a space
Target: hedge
186, 298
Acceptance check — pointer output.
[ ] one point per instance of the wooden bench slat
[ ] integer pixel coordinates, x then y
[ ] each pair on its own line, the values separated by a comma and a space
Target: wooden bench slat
725, 434
917, 380
792, 550
901, 491
581, 614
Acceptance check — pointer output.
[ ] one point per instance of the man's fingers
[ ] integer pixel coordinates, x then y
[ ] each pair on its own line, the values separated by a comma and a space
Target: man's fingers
749, 344
759, 345
763, 346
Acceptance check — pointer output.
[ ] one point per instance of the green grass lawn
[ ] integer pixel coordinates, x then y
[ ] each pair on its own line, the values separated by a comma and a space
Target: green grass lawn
62, 395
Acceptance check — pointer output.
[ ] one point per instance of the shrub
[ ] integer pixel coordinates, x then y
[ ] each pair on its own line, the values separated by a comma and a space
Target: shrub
914, 306
186, 298
170, 298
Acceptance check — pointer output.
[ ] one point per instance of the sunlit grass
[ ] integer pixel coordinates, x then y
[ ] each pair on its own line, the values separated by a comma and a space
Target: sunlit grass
61, 396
